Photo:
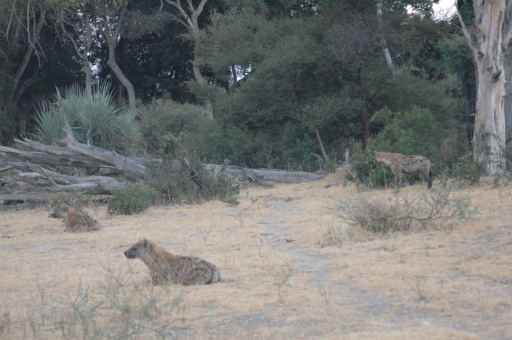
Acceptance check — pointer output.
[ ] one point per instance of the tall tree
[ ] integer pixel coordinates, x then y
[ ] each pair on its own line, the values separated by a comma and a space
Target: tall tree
190, 21
490, 45
80, 19
112, 36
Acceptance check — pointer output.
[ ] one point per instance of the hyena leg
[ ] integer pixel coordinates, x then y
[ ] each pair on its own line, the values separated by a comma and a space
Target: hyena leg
399, 179
427, 175
398, 176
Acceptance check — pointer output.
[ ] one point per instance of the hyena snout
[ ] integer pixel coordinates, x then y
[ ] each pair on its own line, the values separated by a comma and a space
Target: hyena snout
130, 254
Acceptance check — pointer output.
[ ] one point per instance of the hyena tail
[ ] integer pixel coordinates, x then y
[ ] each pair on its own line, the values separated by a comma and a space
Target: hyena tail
429, 180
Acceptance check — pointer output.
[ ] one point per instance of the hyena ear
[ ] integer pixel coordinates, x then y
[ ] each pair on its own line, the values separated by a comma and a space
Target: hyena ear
145, 243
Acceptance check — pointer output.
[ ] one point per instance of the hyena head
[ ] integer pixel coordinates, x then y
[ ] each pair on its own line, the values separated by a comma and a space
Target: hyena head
377, 158
137, 250
59, 212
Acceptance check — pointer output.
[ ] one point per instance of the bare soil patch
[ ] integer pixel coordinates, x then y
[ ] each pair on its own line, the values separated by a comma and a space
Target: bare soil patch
442, 282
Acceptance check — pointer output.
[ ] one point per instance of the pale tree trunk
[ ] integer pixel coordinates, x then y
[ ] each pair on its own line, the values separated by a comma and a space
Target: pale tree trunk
383, 41
492, 33
112, 41
190, 22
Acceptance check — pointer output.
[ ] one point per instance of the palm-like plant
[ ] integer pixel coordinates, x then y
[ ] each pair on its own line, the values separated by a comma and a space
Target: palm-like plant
94, 121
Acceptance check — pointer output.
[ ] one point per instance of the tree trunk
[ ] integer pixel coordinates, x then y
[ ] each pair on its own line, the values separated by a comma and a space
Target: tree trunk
383, 42
365, 127
31, 45
191, 23
112, 43
326, 156
83, 50
492, 35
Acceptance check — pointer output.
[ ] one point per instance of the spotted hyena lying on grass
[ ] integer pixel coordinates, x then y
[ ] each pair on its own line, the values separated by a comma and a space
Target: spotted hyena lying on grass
167, 268
402, 164
76, 221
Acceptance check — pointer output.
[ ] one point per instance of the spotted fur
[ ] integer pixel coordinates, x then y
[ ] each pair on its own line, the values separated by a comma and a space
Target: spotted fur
403, 164
166, 268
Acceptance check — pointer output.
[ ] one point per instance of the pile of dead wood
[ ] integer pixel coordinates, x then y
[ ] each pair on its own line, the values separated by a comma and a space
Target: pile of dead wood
34, 175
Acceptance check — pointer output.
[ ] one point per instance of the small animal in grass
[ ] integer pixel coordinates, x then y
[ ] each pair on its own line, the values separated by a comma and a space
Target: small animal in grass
401, 164
76, 221
166, 268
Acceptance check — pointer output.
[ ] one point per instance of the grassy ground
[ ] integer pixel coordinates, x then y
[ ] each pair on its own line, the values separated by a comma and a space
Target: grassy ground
446, 281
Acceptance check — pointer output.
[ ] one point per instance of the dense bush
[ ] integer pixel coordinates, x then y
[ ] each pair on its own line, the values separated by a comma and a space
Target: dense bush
133, 199
166, 125
369, 175
468, 171
413, 132
97, 121
163, 118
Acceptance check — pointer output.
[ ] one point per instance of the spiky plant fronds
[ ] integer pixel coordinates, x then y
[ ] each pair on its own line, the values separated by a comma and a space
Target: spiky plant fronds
94, 121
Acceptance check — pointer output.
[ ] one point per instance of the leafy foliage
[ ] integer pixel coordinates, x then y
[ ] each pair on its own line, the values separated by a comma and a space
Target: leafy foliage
468, 171
413, 132
94, 121
163, 118
133, 199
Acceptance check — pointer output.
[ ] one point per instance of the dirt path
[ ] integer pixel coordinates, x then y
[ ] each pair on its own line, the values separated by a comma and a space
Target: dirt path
365, 305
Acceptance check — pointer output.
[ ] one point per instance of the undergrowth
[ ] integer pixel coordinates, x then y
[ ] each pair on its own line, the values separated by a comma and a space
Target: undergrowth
400, 212
122, 309
133, 199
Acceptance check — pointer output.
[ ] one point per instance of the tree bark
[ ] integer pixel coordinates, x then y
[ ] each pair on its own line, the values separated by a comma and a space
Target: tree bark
28, 53
191, 23
326, 157
112, 40
81, 51
365, 127
383, 42
492, 32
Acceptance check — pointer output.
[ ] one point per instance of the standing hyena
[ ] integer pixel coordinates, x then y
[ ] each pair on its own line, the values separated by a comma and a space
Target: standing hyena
401, 164
165, 267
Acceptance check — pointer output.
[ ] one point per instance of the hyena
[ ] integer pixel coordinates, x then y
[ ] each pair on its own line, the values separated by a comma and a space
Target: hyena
75, 220
167, 268
401, 164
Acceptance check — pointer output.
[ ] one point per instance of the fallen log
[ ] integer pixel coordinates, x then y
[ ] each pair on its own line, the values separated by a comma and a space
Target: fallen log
271, 175
28, 197
9, 155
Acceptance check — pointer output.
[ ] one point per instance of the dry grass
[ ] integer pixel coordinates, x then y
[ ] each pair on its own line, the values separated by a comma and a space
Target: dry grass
436, 283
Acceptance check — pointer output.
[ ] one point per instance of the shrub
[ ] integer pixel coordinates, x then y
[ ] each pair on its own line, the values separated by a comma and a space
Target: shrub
96, 122
173, 183
468, 171
77, 198
403, 211
215, 184
133, 199
167, 118
333, 237
240, 146
122, 309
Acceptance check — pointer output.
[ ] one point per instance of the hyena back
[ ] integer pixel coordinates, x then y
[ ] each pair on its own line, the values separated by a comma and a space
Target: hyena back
401, 164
